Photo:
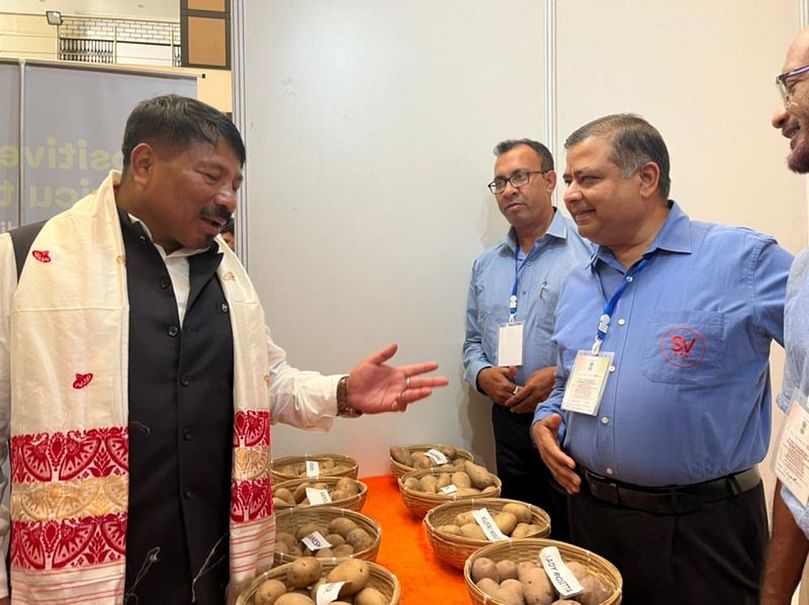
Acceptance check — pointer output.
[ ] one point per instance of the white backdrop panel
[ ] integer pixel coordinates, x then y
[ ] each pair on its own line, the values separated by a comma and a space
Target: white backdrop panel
370, 129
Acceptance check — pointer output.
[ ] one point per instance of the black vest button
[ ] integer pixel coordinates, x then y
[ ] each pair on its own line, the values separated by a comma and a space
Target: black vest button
187, 494
184, 381
165, 283
187, 434
173, 331
224, 308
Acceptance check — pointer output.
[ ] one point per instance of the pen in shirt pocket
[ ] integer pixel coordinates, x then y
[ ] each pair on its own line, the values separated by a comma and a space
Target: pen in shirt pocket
542, 287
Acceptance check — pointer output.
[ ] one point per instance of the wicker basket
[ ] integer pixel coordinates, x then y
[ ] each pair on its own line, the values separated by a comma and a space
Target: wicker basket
528, 550
419, 503
454, 550
278, 463
291, 518
381, 579
398, 469
355, 502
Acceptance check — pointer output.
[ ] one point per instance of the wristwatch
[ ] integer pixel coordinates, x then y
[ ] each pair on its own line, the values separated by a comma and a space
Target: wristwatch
344, 407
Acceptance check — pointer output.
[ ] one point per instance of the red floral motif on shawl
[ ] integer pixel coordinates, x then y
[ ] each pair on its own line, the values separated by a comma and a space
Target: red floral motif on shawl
251, 500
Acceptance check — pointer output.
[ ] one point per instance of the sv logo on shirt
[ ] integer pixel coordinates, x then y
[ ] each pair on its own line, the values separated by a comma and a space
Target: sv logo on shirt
683, 347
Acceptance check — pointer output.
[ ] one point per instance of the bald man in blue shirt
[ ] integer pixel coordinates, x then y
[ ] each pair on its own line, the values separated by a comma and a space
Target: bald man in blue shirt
657, 434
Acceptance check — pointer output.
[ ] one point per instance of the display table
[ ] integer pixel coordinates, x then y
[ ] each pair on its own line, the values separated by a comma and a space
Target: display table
406, 551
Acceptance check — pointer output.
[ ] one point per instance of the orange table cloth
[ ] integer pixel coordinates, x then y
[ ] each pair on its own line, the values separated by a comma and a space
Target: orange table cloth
406, 551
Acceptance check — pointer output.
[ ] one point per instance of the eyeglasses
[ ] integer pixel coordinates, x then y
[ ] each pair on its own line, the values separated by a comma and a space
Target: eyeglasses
781, 82
517, 180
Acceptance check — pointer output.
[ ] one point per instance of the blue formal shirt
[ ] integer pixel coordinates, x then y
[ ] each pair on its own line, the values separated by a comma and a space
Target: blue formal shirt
688, 395
796, 370
541, 276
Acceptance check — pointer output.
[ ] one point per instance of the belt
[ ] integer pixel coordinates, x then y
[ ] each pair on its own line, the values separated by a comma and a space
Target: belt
670, 500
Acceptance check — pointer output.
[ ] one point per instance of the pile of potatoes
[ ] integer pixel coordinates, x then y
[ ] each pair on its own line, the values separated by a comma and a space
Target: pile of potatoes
341, 489
526, 583
418, 460
470, 481
514, 520
328, 468
345, 536
305, 575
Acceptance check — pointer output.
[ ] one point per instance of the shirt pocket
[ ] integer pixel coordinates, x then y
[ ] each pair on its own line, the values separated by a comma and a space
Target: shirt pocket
685, 347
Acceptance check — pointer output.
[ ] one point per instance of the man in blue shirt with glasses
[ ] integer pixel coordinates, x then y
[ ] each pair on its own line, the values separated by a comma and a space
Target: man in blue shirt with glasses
789, 544
513, 290
661, 408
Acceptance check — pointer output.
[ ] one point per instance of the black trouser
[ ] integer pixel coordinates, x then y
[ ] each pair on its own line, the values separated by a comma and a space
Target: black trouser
713, 555
525, 477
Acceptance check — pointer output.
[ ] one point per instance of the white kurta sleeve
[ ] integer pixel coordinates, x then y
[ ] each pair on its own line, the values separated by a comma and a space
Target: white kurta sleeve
8, 282
306, 400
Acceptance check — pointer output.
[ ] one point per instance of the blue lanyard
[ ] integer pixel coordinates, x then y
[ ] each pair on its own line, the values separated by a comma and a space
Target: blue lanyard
609, 305
512, 302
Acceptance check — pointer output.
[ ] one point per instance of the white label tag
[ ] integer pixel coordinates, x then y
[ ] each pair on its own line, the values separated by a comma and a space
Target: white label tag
315, 541
488, 525
559, 574
436, 456
312, 469
585, 385
792, 460
317, 496
448, 490
328, 593
509, 345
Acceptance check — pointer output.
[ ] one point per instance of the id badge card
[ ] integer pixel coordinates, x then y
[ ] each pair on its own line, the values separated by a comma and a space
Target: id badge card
792, 459
509, 345
585, 385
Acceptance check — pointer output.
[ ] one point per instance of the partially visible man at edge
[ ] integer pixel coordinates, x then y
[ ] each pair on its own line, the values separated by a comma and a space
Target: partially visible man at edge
138, 382
518, 281
661, 465
789, 543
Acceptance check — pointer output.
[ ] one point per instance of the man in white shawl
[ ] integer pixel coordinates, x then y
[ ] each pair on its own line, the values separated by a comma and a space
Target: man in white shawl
138, 382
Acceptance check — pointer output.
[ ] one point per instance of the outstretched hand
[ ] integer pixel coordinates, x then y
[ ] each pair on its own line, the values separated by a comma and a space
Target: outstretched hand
375, 387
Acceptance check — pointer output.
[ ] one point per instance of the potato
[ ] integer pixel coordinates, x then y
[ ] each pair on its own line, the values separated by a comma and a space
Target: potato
525, 567
594, 593
269, 592
355, 574
464, 518
444, 479
428, 483
506, 522
300, 492
306, 529
324, 553
294, 598
303, 572
450, 530
335, 539
481, 478
359, 539
341, 525
565, 602
326, 464
520, 511
484, 568
344, 550
508, 597
488, 586
370, 596
284, 537
537, 588
467, 491
339, 494
347, 485
296, 551
285, 495
522, 530
448, 450
413, 483
460, 479
472, 530
513, 585
402, 455
577, 569
506, 569
424, 463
